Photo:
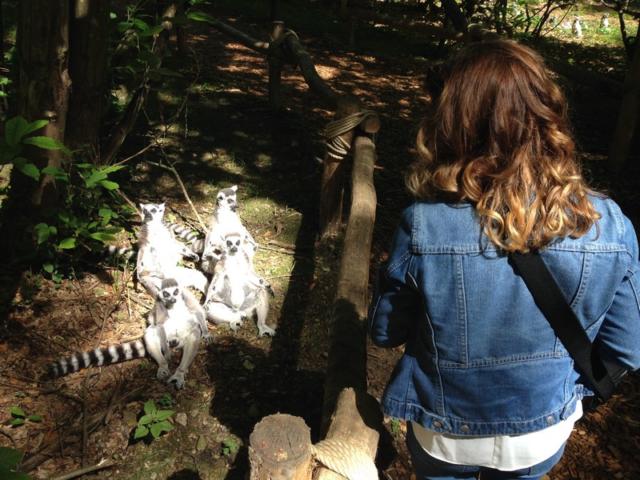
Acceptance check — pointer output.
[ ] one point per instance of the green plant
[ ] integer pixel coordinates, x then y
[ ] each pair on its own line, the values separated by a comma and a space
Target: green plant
230, 446
19, 417
166, 401
395, 427
17, 135
9, 461
88, 209
153, 422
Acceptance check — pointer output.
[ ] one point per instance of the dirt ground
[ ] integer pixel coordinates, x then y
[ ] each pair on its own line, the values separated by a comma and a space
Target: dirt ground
227, 135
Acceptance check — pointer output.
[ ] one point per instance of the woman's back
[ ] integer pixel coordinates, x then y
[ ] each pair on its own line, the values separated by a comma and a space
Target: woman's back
480, 340
497, 174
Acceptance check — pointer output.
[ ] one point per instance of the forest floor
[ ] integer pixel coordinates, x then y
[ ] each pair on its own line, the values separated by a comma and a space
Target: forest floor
221, 132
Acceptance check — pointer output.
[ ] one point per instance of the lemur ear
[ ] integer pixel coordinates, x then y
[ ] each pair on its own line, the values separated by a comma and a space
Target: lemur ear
234, 188
143, 210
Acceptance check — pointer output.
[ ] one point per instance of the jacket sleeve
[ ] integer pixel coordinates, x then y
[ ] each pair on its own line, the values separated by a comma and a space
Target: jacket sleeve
395, 303
619, 337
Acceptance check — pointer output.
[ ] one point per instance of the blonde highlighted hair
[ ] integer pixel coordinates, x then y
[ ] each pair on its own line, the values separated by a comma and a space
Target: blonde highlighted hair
500, 139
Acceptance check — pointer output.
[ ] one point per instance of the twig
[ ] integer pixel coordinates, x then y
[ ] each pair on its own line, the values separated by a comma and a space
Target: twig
152, 144
85, 435
143, 304
2, 432
112, 403
45, 452
280, 250
126, 199
83, 471
172, 169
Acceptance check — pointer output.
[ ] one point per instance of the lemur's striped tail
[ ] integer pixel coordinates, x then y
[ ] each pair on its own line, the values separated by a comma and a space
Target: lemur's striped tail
118, 253
97, 358
188, 235
184, 232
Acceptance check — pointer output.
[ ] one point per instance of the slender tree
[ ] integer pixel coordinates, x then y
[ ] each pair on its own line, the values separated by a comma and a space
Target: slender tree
627, 124
43, 79
43, 93
88, 41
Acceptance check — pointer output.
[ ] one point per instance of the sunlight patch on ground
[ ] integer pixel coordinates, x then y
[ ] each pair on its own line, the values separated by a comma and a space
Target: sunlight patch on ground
326, 72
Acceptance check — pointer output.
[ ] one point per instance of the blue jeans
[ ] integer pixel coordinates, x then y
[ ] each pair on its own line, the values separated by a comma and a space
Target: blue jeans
430, 468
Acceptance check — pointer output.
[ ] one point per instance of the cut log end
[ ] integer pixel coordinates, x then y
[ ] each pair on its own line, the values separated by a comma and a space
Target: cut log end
280, 448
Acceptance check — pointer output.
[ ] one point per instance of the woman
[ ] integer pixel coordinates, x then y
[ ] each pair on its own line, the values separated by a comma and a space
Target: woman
485, 383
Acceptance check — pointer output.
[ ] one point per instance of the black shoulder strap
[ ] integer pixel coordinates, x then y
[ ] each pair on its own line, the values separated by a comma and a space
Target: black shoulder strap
564, 322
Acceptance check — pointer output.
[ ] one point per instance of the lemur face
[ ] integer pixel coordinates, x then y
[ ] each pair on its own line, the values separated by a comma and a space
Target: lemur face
152, 212
169, 293
227, 198
232, 243
214, 252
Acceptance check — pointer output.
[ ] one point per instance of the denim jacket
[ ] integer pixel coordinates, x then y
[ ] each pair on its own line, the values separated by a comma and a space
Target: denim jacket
480, 358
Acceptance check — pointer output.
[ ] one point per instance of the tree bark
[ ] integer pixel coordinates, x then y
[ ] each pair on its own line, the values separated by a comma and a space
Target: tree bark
628, 117
454, 13
43, 93
88, 66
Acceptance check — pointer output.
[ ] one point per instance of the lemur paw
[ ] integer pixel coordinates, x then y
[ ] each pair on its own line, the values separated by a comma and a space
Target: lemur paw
208, 338
267, 286
163, 372
235, 325
265, 330
177, 380
192, 256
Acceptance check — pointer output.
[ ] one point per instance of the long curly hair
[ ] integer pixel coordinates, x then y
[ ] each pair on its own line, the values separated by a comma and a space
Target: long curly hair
500, 139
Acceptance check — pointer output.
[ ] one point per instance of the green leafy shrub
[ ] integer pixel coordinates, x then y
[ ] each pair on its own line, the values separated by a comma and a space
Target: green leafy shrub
19, 417
89, 208
9, 461
154, 422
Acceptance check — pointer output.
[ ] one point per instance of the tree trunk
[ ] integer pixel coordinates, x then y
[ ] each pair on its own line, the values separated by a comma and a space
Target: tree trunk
88, 67
454, 13
44, 82
628, 116
43, 93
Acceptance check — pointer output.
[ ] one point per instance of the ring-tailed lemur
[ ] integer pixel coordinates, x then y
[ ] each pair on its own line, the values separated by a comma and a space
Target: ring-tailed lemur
193, 238
115, 253
224, 220
236, 291
176, 320
159, 253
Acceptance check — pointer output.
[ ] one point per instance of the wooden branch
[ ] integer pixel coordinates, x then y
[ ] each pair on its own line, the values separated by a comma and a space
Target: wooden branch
240, 37
297, 53
275, 66
356, 422
83, 471
347, 355
172, 169
126, 124
355, 413
280, 448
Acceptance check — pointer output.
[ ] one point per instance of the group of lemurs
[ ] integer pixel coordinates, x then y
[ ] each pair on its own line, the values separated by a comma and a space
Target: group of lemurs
577, 25
178, 320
